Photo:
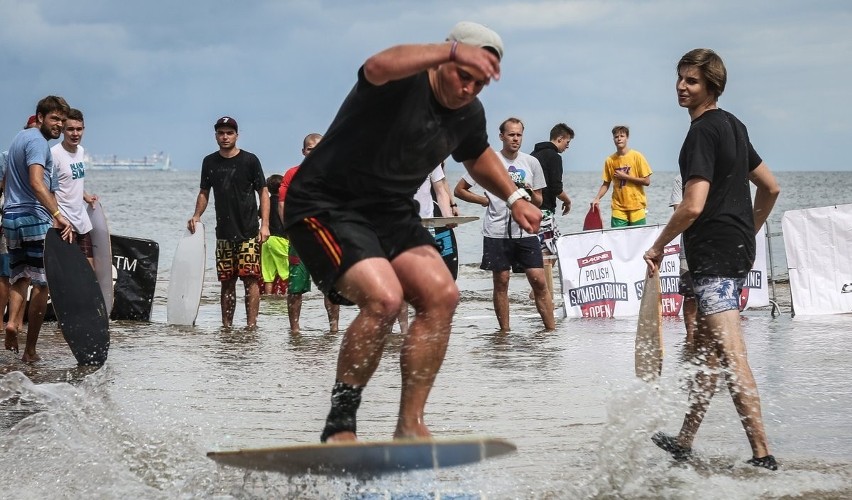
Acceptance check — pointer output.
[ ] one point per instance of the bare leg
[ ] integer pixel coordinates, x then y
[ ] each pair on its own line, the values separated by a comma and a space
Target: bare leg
402, 318
228, 301
690, 320
35, 318
372, 285
500, 296
4, 295
430, 289
267, 288
294, 310
252, 300
543, 299
741, 384
333, 312
548, 270
17, 301
703, 387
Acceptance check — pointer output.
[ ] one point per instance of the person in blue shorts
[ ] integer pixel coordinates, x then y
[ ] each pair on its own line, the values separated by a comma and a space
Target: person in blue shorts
5, 271
719, 222
29, 210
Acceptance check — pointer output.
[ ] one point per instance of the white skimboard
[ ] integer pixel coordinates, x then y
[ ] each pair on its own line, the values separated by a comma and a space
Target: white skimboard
365, 458
186, 278
649, 331
444, 221
102, 252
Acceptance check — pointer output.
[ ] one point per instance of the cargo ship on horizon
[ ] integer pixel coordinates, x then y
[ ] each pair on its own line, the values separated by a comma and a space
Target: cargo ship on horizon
155, 162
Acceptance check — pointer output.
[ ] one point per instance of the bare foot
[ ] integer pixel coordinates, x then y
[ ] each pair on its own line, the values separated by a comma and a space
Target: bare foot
342, 437
11, 339
419, 431
30, 357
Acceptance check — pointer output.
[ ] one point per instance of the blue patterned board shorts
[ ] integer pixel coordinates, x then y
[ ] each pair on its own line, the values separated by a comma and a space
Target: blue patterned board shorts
25, 239
716, 294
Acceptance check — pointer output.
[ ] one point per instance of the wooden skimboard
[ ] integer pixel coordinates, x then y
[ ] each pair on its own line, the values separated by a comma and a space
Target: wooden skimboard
649, 331
77, 300
444, 221
365, 458
102, 251
186, 278
593, 219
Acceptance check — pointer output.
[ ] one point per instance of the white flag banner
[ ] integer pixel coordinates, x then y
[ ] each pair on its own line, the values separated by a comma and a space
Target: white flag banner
603, 273
818, 244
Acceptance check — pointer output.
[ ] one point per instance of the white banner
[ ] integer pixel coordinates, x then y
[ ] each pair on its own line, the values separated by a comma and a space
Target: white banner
603, 272
818, 244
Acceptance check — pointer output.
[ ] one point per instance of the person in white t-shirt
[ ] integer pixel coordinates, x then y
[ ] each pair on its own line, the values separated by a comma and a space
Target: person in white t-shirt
435, 181
690, 306
70, 165
506, 246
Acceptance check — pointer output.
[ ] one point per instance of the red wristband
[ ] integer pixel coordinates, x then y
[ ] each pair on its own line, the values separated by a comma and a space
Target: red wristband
453, 51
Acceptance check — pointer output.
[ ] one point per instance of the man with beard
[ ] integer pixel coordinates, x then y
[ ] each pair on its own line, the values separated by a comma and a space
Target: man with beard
29, 211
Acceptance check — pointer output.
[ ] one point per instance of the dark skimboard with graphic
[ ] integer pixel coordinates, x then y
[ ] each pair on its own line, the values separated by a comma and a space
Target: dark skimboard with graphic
448, 248
365, 458
77, 300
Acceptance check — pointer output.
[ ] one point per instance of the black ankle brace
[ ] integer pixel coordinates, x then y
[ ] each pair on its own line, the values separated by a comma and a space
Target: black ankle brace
345, 400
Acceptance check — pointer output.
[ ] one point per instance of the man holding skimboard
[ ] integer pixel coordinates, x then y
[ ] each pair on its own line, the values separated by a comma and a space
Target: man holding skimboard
29, 210
69, 158
629, 173
352, 216
719, 223
237, 180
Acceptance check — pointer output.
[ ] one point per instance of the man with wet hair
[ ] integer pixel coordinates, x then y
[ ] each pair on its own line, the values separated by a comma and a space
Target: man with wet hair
719, 223
239, 186
352, 217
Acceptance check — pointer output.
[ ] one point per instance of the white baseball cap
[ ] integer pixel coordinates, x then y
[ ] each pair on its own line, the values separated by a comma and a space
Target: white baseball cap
477, 35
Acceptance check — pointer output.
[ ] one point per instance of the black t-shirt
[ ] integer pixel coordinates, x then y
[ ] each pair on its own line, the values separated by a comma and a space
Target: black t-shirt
276, 227
235, 183
551, 165
721, 240
381, 146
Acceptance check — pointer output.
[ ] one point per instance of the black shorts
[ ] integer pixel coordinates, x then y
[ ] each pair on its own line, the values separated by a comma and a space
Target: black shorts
332, 241
84, 241
519, 254
685, 285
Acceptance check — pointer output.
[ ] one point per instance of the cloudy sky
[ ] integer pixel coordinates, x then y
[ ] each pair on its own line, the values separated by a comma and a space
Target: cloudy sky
156, 75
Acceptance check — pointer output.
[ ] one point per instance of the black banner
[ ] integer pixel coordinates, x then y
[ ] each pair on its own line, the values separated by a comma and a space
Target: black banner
135, 262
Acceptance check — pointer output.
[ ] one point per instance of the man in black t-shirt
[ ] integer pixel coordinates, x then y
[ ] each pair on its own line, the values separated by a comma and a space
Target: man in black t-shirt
237, 180
719, 223
352, 217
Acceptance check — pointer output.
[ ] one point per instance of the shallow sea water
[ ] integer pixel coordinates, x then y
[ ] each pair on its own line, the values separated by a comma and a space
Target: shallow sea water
140, 426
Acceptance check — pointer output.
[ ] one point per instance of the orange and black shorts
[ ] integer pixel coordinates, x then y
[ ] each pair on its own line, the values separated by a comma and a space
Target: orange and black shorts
332, 241
237, 259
